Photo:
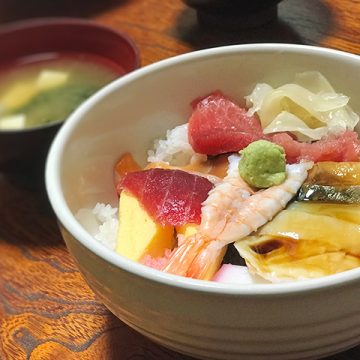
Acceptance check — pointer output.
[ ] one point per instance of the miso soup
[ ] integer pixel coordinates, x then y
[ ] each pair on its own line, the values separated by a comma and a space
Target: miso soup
45, 88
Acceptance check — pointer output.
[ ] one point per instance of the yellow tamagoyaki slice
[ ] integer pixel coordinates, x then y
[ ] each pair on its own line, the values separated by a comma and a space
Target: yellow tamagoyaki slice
138, 233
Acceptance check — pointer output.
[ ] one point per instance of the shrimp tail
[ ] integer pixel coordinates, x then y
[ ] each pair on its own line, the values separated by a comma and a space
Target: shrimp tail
242, 213
207, 262
183, 256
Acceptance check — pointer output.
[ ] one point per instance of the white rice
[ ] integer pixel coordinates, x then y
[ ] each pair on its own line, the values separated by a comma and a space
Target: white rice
175, 149
101, 222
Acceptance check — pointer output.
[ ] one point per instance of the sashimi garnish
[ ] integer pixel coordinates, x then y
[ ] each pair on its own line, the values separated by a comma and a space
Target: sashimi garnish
171, 197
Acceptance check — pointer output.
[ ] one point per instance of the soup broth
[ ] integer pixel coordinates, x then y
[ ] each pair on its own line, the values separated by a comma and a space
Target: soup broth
41, 89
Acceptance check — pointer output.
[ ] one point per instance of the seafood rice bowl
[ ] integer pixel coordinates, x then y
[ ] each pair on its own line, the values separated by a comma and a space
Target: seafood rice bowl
231, 200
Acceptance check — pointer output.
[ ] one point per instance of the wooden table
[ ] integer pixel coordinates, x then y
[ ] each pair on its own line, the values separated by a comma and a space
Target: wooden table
46, 309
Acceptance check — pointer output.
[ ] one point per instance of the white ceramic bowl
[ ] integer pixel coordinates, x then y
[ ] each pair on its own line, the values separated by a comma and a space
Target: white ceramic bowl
300, 320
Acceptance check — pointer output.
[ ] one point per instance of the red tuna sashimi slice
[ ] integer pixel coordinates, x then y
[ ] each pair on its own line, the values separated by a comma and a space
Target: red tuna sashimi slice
171, 197
218, 125
345, 147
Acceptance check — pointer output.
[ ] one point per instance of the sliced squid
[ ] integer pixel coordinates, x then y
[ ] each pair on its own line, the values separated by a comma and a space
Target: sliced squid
307, 240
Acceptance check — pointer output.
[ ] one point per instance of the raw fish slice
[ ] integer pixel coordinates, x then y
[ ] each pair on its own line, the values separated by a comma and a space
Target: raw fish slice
334, 173
329, 181
330, 193
217, 125
125, 164
345, 147
171, 197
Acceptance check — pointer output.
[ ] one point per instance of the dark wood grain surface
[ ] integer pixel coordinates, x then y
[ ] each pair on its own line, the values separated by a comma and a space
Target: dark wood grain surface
46, 309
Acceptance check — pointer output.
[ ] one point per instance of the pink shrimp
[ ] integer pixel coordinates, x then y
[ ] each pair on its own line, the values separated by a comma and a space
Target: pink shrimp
230, 213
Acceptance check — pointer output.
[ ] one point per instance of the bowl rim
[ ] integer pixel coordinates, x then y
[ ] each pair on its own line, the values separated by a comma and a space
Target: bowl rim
38, 22
24, 24
68, 220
